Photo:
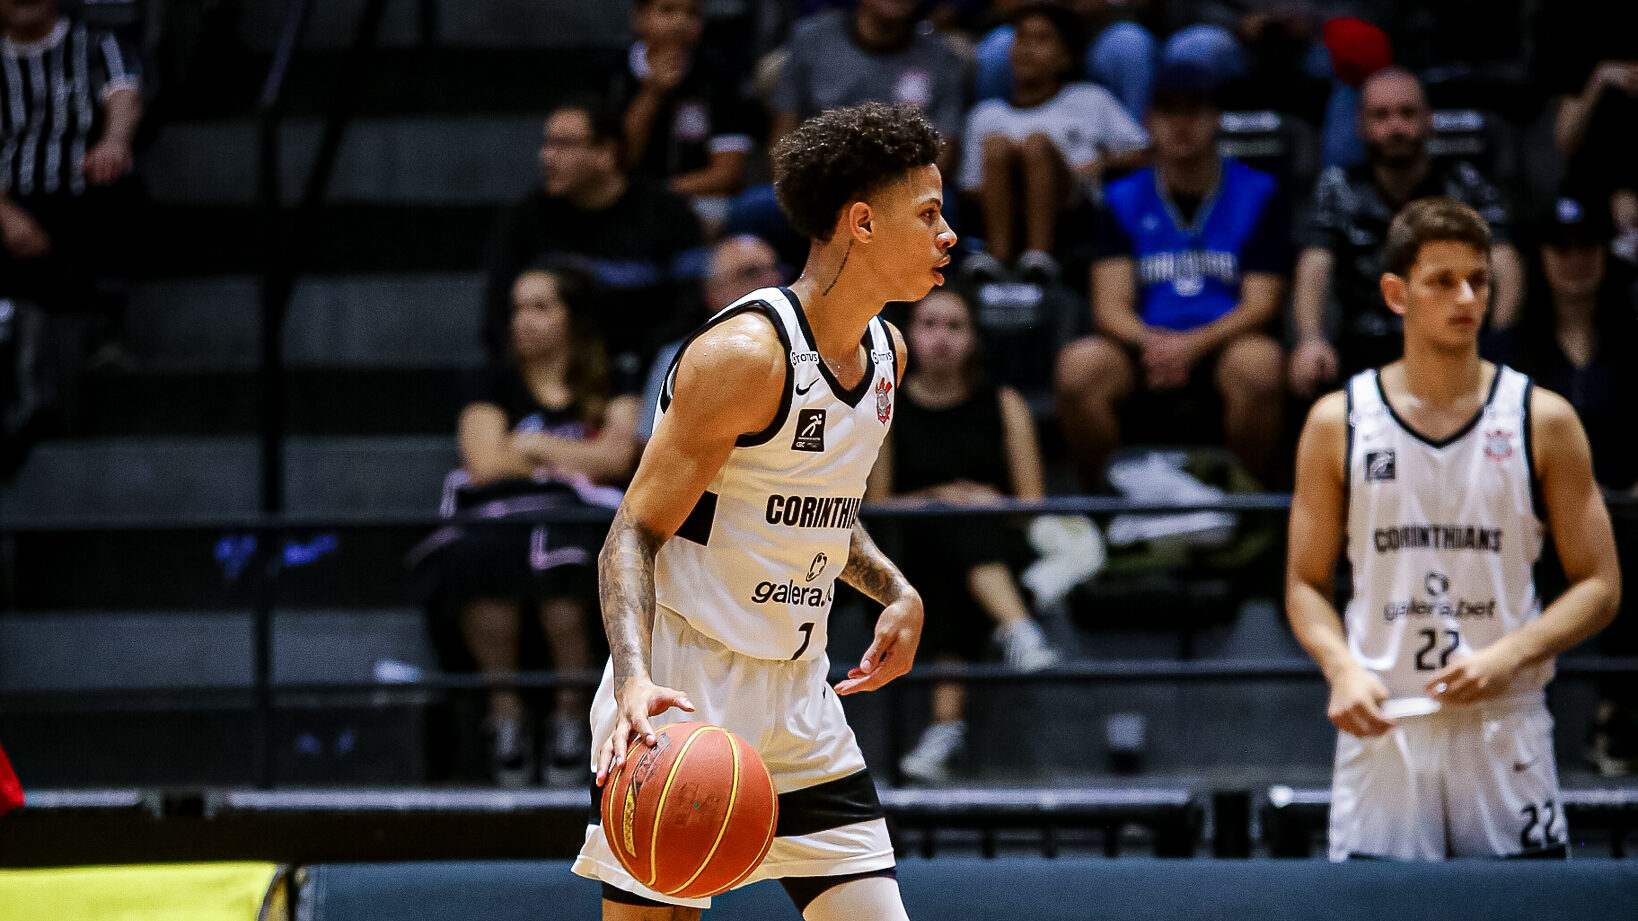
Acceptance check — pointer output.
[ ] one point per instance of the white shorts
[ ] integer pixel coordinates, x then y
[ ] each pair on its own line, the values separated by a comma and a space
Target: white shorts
1476, 781
830, 821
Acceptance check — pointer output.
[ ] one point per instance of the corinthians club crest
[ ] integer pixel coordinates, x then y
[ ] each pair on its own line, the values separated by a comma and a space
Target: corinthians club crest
1498, 445
884, 401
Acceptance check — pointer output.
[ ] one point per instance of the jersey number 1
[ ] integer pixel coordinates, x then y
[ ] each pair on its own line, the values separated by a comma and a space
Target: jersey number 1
807, 637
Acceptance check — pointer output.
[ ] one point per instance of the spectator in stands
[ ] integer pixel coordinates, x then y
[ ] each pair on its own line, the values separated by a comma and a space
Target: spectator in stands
1577, 338
69, 107
685, 123
640, 241
1189, 272
1032, 156
1588, 58
737, 266
552, 429
874, 53
960, 439
1352, 207
1121, 57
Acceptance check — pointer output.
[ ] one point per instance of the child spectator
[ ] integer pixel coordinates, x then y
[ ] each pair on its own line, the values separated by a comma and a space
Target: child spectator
1034, 155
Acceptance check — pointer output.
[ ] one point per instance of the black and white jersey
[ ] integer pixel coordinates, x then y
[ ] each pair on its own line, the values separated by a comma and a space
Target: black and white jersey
51, 98
755, 564
1442, 536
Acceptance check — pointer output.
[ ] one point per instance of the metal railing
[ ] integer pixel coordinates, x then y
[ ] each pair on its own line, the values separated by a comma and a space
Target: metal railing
266, 570
288, 244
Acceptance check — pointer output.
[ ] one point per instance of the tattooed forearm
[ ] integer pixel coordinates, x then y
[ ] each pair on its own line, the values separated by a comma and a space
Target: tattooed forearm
625, 587
870, 571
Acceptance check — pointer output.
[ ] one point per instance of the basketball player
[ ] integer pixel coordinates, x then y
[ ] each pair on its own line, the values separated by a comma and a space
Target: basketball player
717, 576
1439, 471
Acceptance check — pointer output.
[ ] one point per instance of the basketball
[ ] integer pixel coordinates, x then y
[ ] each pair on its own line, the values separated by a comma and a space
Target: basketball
693, 815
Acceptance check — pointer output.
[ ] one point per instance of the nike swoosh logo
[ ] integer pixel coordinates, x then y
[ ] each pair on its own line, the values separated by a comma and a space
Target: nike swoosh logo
1520, 767
803, 391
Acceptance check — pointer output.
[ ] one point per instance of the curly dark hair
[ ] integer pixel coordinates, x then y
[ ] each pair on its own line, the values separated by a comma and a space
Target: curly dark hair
843, 155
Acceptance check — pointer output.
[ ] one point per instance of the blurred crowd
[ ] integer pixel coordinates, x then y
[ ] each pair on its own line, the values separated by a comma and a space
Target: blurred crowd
1171, 215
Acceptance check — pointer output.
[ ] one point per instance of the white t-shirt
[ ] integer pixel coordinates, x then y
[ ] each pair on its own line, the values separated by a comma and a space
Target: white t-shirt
1084, 120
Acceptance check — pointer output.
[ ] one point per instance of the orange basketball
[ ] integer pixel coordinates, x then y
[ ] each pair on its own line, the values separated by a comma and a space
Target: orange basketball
693, 815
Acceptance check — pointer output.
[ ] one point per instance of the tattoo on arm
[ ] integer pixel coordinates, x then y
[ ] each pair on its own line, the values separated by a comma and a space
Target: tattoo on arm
870, 571
625, 587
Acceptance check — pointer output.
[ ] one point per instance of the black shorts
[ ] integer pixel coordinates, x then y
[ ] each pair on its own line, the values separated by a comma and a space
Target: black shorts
937, 557
507, 560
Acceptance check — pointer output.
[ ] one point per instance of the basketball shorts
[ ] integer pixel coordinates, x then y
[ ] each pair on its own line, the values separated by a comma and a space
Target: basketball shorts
830, 820
1476, 781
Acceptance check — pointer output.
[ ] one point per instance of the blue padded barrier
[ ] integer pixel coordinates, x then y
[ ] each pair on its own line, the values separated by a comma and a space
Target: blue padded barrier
1012, 889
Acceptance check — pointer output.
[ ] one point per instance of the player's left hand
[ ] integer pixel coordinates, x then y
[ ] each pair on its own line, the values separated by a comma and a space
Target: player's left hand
1477, 677
891, 653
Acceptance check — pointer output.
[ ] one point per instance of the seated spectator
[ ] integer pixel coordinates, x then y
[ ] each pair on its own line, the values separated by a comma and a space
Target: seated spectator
1121, 57
70, 107
640, 241
960, 439
1189, 273
551, 429
1031, 157
736, 267
1588, 58
685, 123
1349, 224
1577, 338
875, 53
1283, 55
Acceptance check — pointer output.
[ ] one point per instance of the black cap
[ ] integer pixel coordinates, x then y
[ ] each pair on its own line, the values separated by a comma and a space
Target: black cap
1571, 222
1183, 86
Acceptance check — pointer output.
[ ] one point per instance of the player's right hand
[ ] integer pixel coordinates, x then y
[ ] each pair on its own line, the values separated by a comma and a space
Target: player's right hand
637, 699
1356, 704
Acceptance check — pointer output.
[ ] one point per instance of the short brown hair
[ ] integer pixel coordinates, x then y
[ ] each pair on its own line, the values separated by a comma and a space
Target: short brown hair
1431, 220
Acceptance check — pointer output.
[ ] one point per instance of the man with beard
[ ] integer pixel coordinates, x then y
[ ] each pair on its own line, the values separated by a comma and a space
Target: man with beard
1352, 208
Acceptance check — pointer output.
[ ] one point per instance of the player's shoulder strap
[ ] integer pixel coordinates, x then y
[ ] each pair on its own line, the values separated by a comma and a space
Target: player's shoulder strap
767, 302
882, 341
1364, 395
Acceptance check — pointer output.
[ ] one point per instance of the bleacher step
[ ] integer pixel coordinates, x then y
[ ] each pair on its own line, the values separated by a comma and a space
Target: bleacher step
425, 320
178, 479
428, 159
102, 649
318, 402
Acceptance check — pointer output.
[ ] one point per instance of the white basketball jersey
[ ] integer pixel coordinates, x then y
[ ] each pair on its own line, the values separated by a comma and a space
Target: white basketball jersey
1442, 536
754, 566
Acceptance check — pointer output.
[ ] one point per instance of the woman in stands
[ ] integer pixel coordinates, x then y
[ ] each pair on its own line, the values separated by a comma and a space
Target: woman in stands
961, 439
550, 430
1577, 338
